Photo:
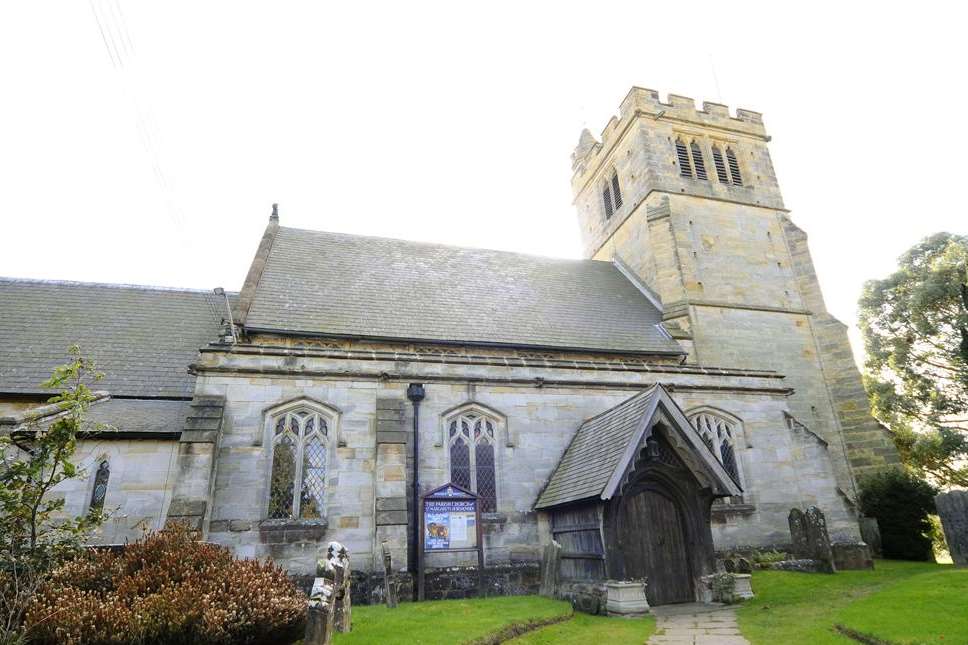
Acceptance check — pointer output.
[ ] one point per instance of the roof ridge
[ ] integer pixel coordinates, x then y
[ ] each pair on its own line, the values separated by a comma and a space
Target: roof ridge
446, 245
108, 285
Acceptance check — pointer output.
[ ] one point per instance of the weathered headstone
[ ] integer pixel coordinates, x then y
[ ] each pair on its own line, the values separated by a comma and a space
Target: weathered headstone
870, 533
549, 570
798, 533
808, 532
319, 619
953, 511
390, 590
339, 563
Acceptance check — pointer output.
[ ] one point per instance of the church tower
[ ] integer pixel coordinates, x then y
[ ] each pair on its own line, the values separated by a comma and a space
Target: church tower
688, 200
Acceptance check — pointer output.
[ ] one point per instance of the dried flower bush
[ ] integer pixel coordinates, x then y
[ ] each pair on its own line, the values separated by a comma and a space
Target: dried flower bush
167, 589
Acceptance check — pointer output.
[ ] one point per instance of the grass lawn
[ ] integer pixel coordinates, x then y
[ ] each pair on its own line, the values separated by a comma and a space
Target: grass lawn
583, 629
926, 608
916, 601
446, 622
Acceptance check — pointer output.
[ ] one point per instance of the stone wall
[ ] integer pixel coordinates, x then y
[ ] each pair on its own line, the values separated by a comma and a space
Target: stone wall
540, 408
139, 487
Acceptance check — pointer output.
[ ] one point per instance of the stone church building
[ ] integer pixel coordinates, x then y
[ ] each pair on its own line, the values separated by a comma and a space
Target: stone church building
677, 391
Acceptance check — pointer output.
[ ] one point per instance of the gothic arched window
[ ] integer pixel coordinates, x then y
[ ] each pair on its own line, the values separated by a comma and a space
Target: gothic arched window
720, 435
297, 484
733, 167
682, 154
471, 441
100, 486
720, 165
697, 160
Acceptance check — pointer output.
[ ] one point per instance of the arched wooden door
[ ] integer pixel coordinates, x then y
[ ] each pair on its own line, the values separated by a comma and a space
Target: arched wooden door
654, 546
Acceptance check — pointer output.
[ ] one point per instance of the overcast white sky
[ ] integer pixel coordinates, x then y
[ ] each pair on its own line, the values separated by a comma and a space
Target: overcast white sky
447, 122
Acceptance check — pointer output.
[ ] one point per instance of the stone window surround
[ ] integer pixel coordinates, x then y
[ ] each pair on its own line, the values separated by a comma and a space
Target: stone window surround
706, 143
499, 421
331, 415
740, 442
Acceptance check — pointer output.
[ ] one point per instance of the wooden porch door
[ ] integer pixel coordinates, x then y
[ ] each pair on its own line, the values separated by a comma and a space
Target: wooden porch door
654, 546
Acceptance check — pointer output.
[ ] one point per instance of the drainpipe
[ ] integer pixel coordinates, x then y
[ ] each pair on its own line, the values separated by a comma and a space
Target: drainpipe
416, 394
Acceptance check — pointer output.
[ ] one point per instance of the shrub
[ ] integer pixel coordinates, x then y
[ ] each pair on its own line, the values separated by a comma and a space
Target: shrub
901, 502
767, 557
168, 589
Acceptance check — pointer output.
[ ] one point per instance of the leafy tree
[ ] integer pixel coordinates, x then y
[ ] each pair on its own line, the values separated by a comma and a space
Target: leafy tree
902, 503
34, 537
915, 328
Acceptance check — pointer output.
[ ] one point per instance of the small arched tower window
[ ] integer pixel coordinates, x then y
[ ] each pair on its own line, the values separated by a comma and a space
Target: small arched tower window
616, 191
300, 447
720, 165
100, 486
719, 434
607, 199
471, 441
683, 156
697, 160
733, 167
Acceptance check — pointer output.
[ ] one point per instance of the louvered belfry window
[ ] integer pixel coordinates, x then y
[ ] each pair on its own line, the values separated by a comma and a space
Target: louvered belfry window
683, 156
471, 440
607, 198
719, 435
697, 160
720, 165
616, 191
297, 488
733, 167
100, 491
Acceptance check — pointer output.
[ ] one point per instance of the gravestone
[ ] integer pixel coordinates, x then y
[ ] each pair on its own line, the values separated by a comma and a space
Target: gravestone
808, 532
953, 511
329, 608
549, 570
870, 533
390, 590
339, 562
743, 566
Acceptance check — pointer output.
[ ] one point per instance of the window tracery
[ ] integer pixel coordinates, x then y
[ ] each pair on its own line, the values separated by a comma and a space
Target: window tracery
300, 446
471, 441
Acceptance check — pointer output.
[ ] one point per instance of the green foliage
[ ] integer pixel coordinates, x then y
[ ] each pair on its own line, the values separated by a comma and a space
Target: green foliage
34, 537
915, 328
901, 502
767, 557
167, 589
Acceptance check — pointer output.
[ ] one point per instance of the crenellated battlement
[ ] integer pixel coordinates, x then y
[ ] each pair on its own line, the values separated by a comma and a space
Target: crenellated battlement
642, 101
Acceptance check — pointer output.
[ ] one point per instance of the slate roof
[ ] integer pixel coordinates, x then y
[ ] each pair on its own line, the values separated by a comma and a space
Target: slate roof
353, 286
140, 416
604, 445
142, 338
595, 451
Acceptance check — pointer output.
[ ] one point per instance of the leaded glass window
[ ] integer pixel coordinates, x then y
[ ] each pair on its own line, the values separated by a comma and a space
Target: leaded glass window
297, 485
471, 440
100, 486
719, 434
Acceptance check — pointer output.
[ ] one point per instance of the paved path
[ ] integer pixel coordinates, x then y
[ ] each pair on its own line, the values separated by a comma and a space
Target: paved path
696, 624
